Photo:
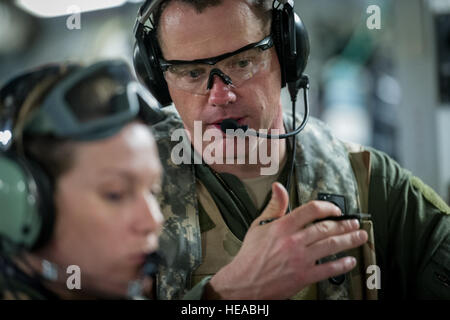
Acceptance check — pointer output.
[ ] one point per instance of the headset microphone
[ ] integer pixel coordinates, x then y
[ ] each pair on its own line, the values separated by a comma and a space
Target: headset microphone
231, 124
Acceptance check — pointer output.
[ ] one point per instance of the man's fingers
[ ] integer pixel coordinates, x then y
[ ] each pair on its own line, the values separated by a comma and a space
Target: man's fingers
278, 203
325, 229
335, 244
309, 212
331, 269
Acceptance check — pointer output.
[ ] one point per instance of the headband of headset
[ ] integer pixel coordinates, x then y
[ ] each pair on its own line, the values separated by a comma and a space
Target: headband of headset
290, 38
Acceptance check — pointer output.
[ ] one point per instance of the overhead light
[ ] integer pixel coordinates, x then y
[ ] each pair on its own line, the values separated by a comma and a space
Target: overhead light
51, 8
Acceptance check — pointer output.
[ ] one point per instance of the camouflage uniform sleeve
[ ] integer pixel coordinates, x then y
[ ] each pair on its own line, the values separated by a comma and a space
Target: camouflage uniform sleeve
412, 233
197, 291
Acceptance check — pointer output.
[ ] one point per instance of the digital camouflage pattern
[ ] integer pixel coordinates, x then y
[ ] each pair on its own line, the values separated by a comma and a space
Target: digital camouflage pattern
219, 244
322, 165
179, 241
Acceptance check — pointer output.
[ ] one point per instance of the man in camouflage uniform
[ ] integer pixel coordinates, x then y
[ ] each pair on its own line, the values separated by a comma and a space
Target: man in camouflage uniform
214, 244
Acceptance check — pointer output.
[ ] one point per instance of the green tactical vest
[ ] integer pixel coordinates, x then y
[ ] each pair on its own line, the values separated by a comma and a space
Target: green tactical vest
323, 165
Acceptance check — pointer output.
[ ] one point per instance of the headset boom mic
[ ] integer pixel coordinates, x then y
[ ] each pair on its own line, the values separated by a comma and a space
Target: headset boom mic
231, 124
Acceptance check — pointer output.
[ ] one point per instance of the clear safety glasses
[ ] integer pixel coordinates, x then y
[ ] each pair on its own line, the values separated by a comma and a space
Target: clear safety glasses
240, 66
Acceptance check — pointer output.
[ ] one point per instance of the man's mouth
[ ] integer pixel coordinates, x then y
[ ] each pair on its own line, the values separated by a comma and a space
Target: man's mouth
217, 124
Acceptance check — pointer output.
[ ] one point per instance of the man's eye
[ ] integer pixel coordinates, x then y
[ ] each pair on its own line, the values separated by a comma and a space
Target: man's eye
243, 63
195, 73
186, 71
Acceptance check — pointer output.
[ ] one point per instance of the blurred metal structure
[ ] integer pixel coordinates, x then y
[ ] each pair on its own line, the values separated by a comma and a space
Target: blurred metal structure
422, 33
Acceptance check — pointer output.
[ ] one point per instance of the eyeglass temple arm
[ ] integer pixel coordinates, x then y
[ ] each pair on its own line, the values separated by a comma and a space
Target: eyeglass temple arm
146, 10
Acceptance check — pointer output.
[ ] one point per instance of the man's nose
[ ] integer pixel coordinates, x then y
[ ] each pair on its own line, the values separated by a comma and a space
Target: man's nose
220, 93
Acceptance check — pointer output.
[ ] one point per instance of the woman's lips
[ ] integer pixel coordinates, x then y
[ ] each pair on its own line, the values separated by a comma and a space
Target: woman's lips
150, 246
138, 258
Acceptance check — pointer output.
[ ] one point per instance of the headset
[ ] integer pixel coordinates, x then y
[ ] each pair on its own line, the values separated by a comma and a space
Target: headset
290, 39
26, 190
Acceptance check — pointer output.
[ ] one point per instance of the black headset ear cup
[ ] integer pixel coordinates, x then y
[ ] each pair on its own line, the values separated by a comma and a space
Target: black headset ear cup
277, 30
290, 35
43, 195
303, 47
146, 64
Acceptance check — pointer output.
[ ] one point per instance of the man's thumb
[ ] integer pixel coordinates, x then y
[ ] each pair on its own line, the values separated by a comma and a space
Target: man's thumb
278, 203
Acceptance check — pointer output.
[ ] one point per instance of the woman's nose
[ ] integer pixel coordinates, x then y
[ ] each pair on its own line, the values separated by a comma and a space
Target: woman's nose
148, 215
